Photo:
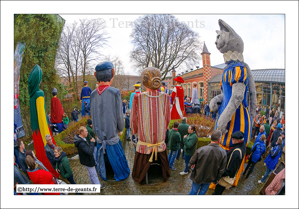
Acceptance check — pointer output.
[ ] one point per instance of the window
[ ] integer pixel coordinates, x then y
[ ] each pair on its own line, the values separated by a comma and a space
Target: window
200, 92
189, 89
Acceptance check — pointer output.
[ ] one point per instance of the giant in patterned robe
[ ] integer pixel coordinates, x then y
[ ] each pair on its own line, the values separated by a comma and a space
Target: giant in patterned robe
39, 124
150, 116
177, 99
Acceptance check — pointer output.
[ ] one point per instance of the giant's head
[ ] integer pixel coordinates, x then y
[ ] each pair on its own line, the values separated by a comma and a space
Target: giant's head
228, 39
151, 78
104, 72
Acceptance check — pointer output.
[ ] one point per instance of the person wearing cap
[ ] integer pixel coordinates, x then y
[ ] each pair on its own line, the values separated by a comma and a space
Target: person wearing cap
150, 117
234, 156
177, 100
261, 132
85, 97
275, 136
56, 111
272, 159
137, 90
209, 165
108, 123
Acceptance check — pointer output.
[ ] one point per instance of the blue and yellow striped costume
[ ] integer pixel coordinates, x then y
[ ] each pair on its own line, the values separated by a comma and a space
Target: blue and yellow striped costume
235, 72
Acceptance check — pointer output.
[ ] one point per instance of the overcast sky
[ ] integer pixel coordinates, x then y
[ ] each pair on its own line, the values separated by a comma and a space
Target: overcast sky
263, 37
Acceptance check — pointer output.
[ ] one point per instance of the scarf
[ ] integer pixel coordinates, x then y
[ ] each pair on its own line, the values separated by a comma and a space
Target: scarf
58, 159
101, 89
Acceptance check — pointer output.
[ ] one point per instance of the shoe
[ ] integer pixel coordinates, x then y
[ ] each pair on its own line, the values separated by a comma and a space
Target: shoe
173, 169
103, 186
262, 176
128, 139
183, 173
259, 181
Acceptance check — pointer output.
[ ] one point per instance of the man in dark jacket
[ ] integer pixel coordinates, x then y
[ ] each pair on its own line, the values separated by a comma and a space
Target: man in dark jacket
233, 164
210, 162
174, 144
275, 135
207, 109
127, 125
49, 148
183, 130
85, 152
86, 108
22, 157
74, 115
91, 135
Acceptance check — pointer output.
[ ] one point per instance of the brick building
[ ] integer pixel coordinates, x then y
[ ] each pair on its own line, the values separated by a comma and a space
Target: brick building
200, 75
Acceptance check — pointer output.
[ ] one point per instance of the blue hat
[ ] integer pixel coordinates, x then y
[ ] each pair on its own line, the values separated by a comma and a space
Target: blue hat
104, 66
279, 125
85, 82
54, 90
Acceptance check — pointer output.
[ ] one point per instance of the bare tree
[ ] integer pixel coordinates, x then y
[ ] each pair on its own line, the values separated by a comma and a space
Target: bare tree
163, 42
119, 78
78, 49
93, 37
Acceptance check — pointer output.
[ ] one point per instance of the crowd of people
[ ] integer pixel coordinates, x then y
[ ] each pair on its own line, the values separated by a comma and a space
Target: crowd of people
146, 117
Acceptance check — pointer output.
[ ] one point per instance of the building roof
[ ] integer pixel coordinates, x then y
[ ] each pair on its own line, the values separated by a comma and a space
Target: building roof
205, 49
261, 75
220, 66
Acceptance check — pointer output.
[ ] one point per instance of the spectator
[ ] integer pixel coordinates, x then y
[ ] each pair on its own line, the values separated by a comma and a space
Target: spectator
18, 176
234, 159
190, 142
267, 128
210, 162
124, 107
86, 108
38, 176
74, 115
272, 159
261, 132
268, 112
214, 115
282, 118
31, 153
282, 134
22, 157
49, 122
273, 127
91, 135
188, 107
257, 151
65, 120
202, 105
86, 156
63, 165
277, 184
174, 144
183, 130
207, 109
257, 123
49, 148
16, 148
127, 125
275, 135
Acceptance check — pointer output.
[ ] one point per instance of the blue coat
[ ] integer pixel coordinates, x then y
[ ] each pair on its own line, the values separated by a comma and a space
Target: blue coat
127, 122
273, 157
258, 138
257, 150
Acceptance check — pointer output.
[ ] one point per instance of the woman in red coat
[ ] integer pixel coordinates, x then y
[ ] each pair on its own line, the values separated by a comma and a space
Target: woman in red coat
273, 127
38, 176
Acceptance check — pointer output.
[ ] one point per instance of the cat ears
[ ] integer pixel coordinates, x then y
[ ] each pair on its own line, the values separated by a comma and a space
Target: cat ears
224, 26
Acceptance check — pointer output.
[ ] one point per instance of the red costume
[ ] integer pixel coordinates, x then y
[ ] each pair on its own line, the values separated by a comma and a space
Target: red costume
177, 100
56, 110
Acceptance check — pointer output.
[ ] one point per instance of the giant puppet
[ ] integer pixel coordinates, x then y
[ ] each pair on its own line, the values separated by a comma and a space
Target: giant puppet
56, 111
38, 119
150, 116
233, 113
108, 123
177, 100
